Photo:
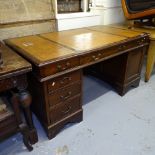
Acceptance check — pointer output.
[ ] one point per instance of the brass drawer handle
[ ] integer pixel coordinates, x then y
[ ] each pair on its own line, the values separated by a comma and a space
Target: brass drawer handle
67, 96
95, 58
68, 64
65, 79
122, 47
14, 83
140, 42
68, 110
60, 68
99, 54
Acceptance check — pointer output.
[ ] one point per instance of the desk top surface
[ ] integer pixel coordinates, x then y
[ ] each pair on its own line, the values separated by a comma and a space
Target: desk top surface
124, 26
56, 45
13, 64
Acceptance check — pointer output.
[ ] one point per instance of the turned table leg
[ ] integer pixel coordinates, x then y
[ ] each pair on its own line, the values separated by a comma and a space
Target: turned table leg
25, 100
150, 60
23, 128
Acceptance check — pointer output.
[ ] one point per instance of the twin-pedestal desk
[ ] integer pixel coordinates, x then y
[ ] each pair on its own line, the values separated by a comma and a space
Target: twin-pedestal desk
58, 60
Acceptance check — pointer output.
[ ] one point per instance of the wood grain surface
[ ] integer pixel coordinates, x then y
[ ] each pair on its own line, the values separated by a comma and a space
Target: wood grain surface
12, 62
124, 26
55, 45
83, 39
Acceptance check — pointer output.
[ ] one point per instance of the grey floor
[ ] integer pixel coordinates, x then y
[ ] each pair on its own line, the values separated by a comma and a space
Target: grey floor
112, 125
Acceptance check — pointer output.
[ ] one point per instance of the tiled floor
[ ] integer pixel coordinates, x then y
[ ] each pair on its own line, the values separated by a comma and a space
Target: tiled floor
112, 125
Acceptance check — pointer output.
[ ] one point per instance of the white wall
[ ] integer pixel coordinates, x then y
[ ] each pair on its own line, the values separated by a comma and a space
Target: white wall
106, 3
77, 20
109, 10
102, 12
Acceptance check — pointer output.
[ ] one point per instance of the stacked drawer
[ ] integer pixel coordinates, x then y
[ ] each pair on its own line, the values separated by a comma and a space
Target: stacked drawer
64, 96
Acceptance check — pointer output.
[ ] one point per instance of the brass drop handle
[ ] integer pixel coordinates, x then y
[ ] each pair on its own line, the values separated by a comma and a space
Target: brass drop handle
60, 67
15, 83
122, 47
95, 58
68, 64
65, 79
139, 42
68, 110
67, 96
99, 54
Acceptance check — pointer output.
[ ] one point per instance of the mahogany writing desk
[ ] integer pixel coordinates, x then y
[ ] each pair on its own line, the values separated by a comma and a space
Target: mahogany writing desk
58, 59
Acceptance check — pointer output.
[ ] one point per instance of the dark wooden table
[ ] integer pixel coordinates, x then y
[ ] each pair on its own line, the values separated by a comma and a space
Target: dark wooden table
58, 60
13, 72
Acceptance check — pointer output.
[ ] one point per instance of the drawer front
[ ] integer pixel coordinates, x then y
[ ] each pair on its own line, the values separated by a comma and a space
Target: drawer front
8, 83
62, 81
8, 126
8, 120
92, 57
96, 56
61, 111
132, 44
59, 66
64, 94
135, 59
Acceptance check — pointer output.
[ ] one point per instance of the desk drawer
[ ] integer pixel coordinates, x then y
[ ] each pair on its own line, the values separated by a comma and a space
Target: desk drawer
64, 94
59, 66
65, 109
9, 83
62, 81
91, 58
8, 125
112, 51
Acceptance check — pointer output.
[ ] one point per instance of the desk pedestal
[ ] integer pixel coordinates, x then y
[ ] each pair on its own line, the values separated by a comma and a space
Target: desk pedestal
57, 101
122, 72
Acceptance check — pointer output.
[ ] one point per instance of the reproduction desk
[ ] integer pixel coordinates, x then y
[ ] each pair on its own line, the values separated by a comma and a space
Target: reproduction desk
13, 73
58, 60
151, 52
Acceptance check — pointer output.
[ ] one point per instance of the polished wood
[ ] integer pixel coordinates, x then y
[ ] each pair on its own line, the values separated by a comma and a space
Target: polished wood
46, 100
62, 81
112, 30
32, 48
65, 109
82, 40
151, 51
150, 60
67, 92
124, 26
136, 14
13, 76
121, 79
58, 60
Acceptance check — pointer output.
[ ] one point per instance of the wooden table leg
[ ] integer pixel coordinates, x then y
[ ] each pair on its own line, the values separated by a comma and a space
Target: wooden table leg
150, 60
25, 99
23, 128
